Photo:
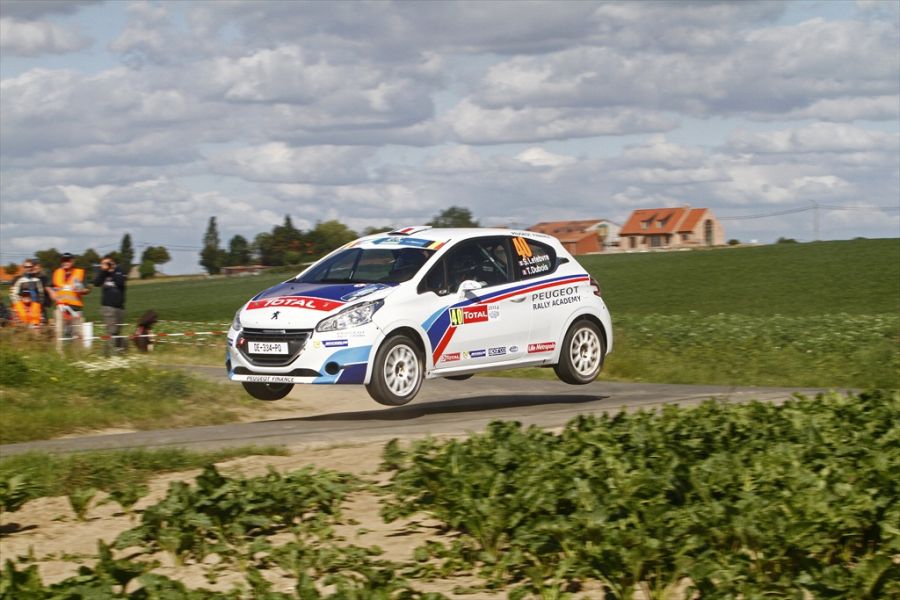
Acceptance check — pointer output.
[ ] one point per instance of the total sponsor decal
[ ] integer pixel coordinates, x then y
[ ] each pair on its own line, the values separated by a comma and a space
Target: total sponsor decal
450, 357
541, 347
481, 353
555, 297
497, 351
307, 302
478, 313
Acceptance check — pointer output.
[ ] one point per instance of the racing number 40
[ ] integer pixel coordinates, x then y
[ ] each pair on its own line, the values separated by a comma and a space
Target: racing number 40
522, 247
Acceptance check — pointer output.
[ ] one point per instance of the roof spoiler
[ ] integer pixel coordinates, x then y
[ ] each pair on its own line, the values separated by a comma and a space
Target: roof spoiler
409, 230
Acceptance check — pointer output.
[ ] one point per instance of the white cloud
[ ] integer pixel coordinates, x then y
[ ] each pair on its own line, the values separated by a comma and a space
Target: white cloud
817, 137
278, 162
539, 157
33, 38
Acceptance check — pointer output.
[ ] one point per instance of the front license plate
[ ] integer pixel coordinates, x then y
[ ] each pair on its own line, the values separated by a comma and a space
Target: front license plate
268, 348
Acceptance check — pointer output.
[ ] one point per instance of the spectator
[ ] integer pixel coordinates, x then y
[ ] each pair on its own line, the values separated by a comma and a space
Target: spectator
27, 312
47, 304
68, 289
112, 301
31, 285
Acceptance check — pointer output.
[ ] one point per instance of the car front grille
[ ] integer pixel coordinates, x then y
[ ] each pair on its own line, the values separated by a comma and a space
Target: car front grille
295, 338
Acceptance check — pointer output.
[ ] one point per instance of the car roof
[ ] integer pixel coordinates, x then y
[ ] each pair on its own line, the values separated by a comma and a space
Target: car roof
405, 235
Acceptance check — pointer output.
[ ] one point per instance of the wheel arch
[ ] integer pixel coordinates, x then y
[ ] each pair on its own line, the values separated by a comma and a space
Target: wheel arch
587, 316
412, 333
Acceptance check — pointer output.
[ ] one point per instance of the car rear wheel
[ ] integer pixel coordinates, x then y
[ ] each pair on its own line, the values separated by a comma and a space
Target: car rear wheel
397, 371
268, 391
581, 357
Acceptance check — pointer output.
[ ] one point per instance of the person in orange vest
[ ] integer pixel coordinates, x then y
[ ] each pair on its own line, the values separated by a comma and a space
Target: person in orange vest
27, 312
68, 285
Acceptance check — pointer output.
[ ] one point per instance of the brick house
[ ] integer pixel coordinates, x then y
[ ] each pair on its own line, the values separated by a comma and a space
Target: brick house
582, 237
682, 227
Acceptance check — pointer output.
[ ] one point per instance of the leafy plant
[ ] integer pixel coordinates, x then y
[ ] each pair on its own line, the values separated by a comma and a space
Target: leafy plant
14, 492
80, 501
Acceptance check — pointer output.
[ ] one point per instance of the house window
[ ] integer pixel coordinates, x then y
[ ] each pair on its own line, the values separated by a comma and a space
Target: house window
633, 242
659, 224
656, 241
685, 237
645, 224
708, 233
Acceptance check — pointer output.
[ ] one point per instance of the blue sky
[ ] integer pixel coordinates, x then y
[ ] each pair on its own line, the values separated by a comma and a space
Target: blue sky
150, 117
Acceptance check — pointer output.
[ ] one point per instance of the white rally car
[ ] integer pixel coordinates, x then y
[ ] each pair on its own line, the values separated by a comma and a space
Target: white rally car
391, 309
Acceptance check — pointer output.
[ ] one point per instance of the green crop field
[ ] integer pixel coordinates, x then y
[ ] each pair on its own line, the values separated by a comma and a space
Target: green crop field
819, 314
854, 277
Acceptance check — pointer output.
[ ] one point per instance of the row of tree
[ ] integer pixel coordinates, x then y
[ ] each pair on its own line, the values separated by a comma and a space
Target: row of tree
151, 258
287, 245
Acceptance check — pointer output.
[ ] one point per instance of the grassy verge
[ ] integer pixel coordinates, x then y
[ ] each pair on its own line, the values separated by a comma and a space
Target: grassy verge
48, 474
860, 351
44, 395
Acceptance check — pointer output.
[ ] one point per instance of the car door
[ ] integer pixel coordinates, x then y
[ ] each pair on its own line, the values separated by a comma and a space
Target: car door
481, 326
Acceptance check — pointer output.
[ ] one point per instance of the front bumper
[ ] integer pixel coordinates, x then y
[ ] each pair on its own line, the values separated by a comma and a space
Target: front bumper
312, 357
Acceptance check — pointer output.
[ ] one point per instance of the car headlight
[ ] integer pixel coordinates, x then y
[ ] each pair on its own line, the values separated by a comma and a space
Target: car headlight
351, 317
236, 322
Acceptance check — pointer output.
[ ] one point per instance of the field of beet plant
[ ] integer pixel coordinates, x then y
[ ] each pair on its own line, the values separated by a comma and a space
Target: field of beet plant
717, 501
742, 502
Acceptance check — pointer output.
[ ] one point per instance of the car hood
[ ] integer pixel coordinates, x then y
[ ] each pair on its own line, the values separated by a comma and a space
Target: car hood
292, 305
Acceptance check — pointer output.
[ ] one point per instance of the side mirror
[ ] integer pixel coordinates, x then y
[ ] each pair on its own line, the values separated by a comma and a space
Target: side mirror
469, 285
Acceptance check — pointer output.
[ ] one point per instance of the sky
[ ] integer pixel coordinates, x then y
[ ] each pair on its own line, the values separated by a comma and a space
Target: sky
151, 117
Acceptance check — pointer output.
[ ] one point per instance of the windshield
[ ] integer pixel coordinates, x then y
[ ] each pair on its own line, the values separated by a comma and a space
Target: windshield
374, 265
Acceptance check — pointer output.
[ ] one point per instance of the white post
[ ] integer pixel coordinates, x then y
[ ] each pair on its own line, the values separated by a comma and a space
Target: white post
87, 334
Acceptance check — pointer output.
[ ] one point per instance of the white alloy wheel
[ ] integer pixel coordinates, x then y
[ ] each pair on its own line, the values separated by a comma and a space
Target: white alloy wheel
401, 370
582, 353
585, 351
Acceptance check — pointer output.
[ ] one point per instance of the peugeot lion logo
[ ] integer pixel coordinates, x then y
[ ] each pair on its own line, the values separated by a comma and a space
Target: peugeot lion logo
275, 314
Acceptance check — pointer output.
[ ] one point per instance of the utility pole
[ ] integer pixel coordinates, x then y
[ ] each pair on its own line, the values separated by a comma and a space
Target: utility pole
815, 219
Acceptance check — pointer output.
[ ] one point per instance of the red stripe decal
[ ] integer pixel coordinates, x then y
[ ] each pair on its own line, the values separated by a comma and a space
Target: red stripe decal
535, 288
443, 343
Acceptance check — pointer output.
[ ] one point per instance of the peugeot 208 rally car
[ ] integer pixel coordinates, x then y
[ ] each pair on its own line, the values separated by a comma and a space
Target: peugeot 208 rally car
389, 310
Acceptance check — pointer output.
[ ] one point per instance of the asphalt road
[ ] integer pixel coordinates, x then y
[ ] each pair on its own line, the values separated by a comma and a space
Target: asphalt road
442, 407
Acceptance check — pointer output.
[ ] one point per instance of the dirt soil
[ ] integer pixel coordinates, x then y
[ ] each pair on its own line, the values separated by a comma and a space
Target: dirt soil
47, 529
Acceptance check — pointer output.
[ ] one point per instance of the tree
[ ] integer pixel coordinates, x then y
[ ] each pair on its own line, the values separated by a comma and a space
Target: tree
158, 255
238, 252
455, 216
49, 259
126, 254
147, 269
88, 259
327, 236
212, 257
264, 248
374, 230
11, 269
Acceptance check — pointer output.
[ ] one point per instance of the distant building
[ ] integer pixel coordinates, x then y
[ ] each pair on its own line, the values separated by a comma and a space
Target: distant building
682, 227
243, 270
582, 237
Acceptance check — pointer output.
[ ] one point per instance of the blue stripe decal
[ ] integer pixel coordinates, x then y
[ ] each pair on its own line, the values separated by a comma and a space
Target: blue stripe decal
348, 356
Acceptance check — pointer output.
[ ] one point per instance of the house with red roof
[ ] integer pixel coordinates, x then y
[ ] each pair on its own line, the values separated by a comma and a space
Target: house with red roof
682, 227
582, 237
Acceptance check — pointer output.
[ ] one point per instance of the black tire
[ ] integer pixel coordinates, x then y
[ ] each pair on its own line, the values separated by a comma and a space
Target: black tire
397, 371
459, 377
267, 391
582, 353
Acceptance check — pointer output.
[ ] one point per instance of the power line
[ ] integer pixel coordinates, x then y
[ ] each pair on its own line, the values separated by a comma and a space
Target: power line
801, 209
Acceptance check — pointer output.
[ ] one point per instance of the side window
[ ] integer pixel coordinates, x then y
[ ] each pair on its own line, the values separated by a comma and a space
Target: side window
483, 260
436, 279
533, 259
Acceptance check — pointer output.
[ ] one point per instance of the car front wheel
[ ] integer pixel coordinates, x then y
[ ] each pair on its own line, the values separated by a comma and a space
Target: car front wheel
397, 371
582, 353
268, 391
